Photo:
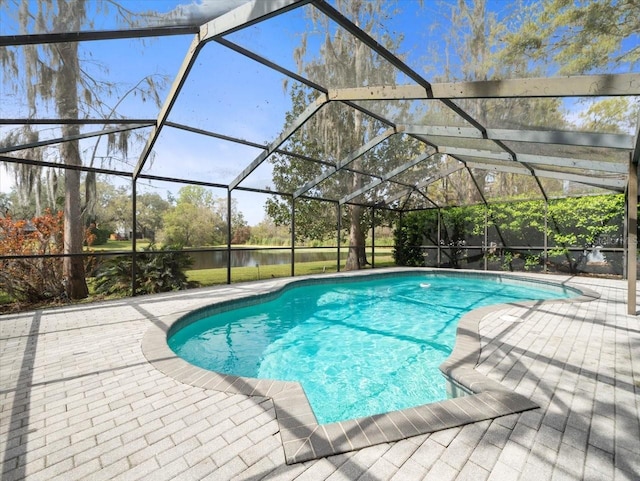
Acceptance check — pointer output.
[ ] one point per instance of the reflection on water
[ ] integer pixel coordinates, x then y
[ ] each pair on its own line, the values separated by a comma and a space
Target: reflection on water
248, 258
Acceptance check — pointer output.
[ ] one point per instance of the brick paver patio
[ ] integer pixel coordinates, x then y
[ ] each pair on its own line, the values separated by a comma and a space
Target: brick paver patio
79, 401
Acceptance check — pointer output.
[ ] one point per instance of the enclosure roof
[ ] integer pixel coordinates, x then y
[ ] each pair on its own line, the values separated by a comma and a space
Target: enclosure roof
490, 135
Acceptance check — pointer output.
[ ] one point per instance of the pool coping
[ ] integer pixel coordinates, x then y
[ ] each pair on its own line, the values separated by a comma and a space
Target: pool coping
477, 397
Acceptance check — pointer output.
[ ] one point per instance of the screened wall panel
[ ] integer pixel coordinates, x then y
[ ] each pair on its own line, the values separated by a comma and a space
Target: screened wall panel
260, 178
219, 95
340, 184
518, 113
187, 155
557, 188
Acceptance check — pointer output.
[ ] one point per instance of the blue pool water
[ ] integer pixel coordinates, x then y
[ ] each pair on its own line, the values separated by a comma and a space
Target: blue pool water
358, 348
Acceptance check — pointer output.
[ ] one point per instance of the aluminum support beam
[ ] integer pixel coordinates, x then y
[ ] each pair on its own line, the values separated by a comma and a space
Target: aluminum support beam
134, 235
585, 139
346, 161
273, 146
574, 86
604, 182
229, 236
88, 135
246, 15
57, 165
215, 135
482, 154
24, 121
293, 237
268, 63
599, 166
511, 168
442, 131
475, 182
64, 37
632, 238
635, 156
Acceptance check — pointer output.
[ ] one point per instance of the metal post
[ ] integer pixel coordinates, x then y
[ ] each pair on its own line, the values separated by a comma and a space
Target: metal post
134, 234
293, 236
545, 256
625, 237
632, 237
229, 236
439, 239
339, 231
486, 236
373, 237
399, 224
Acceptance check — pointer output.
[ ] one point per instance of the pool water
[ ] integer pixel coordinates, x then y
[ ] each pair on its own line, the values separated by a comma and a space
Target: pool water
358, 348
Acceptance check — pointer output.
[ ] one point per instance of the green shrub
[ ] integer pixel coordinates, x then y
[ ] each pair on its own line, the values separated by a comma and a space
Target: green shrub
94, 236
157, 270
413, 231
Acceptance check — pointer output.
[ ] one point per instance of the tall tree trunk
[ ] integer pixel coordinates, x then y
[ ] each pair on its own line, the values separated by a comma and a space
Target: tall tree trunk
67, 103
357, 257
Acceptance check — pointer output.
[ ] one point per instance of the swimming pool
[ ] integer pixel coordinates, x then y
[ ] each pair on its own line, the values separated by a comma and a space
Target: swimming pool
358, 347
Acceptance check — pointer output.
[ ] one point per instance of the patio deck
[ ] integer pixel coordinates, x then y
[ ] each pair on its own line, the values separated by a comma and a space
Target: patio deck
79, 400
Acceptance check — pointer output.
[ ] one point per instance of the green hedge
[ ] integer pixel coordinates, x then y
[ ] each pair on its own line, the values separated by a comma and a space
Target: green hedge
515, 230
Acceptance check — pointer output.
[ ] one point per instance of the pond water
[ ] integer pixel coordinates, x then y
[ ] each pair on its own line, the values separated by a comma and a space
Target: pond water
263, 257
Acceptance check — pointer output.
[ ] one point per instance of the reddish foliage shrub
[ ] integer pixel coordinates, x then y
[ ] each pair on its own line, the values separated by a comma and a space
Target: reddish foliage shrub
32, 279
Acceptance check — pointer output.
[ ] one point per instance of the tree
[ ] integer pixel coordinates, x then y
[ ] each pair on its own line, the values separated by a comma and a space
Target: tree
5, 204
579, 37
197, 195
188, 225
150, 209
617, 115
36, 189
113, 208
342, 62
51, 76
240, 230
195, 220
268, 233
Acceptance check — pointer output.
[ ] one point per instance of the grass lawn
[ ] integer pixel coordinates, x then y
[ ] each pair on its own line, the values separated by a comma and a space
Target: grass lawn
124, 245
210, 277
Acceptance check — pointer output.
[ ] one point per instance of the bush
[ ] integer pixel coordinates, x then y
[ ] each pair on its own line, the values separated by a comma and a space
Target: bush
96, 237
32, 279
414, 231
156, 271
